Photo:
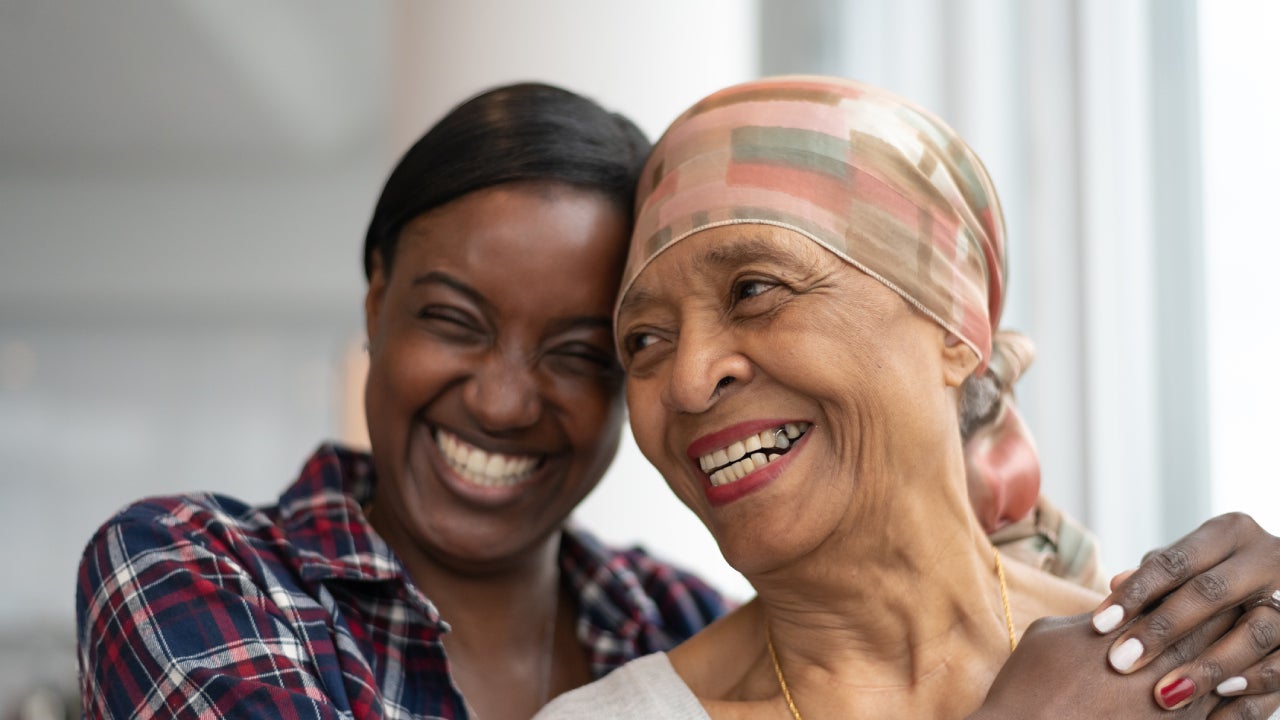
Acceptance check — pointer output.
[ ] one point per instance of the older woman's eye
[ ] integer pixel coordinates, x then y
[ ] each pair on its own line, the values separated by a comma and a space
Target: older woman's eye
635, 342
747, 289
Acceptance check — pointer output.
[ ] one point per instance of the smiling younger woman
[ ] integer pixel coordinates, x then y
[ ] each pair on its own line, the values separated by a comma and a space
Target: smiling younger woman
433, 577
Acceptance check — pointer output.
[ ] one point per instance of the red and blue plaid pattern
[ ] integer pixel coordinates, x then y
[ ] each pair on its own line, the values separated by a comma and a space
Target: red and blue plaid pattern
200, 606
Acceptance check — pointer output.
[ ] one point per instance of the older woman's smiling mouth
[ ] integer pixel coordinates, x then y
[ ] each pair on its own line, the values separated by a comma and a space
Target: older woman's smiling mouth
487, 469
742, 457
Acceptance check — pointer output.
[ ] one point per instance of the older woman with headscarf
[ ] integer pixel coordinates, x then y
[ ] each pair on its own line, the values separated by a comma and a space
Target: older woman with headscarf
815, 276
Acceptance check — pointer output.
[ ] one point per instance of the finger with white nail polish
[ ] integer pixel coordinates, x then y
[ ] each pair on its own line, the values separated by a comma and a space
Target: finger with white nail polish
1124, 655
1232, 685
1109, 619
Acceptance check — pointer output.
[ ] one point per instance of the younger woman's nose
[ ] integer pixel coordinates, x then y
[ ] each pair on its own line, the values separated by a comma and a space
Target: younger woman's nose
503, 394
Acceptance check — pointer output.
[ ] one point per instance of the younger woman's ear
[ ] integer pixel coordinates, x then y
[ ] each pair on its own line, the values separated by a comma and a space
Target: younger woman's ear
958, 360
373, 298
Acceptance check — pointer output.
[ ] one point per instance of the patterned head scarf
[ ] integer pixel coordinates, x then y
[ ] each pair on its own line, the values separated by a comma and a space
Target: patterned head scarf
883, 184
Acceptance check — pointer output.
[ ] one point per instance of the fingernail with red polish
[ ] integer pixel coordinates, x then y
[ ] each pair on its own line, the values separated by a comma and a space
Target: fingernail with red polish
1177, 692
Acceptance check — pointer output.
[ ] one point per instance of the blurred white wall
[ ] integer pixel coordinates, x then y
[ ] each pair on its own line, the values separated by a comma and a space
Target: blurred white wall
1150, 397
1242, 240
182, 195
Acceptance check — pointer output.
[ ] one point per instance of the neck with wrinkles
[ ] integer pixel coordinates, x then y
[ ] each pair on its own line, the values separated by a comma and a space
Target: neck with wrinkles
901, 606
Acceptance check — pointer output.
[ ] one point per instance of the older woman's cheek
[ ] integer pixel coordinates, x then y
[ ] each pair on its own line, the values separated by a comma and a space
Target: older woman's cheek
644, 408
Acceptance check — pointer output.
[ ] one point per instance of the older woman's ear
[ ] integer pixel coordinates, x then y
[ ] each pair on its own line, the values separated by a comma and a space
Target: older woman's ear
958, 360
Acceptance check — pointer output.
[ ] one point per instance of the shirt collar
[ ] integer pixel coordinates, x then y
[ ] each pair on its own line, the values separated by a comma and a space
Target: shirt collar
321, 514
611, 596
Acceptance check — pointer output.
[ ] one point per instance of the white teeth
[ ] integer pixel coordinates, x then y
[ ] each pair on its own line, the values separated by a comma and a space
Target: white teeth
740, 469
745, 456
484, 468
719, 457
496, 467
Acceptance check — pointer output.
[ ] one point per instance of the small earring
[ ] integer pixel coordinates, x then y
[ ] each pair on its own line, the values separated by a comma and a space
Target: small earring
365, 346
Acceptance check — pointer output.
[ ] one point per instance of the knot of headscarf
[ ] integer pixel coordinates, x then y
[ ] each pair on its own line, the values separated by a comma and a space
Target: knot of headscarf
883, 184
1002, 466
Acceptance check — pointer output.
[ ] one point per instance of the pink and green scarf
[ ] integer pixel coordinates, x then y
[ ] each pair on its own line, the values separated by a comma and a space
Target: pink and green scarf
878, 181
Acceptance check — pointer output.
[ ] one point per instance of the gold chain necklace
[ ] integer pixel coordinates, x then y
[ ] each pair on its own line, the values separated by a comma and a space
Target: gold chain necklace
1008, 621
1004, 601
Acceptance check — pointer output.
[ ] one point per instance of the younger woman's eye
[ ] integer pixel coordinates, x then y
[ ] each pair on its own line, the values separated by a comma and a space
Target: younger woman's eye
449, 321
585, 358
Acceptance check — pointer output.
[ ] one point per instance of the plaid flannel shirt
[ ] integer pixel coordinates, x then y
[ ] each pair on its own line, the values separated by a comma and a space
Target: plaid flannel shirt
200, 606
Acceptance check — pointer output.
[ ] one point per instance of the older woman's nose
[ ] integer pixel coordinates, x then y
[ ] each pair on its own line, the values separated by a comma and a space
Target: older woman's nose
707, 367
503, 394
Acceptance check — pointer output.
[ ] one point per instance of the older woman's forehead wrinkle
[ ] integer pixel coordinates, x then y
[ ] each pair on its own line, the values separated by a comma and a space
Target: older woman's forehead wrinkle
639, 299
751, 247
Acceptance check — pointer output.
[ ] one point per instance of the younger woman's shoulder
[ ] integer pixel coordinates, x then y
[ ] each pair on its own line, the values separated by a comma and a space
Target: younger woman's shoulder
163, 520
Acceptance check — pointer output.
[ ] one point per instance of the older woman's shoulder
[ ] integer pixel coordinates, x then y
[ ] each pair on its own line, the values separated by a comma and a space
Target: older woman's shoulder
714, 662
644, 688
1035, 593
